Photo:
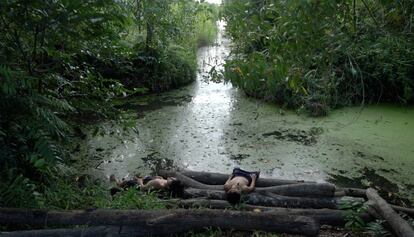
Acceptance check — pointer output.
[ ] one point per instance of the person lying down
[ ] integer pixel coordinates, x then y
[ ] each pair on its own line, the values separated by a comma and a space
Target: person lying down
240, 182
156, 183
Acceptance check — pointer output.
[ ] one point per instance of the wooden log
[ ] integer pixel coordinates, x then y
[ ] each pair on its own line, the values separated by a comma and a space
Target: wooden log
306, 189
359, 192
271, 199
352, 192
406, 210
323, 216
75, 232
220, 179
297, 190
189, 182
265, 200
326, 187
398, 224
204, 193
301, 190
165, 222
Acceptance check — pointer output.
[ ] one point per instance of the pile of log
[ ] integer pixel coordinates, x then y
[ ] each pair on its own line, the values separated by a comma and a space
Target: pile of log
319, 201
280, 206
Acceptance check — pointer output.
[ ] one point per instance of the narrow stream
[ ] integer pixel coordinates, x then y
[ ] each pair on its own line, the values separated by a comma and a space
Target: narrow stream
214, 127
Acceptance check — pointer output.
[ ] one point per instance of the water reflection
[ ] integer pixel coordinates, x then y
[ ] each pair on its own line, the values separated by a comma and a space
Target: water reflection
207, 115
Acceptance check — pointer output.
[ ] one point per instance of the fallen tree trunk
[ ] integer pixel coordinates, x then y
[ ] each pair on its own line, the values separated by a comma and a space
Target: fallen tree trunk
75, 232
262, 200
220, 179
359, 192
191, 183
297, 190
323, 216
215, 179
301, 190
165, 222
406, 210
352, 192
398, 224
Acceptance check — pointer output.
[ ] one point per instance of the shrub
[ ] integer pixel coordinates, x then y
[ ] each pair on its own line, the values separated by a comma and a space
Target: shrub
322, 54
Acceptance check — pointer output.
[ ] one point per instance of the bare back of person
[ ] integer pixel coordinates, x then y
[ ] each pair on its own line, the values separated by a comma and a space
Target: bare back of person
146, 183
156, 183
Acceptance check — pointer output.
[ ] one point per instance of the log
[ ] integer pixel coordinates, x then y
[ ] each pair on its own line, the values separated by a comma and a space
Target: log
189, 182
323, 216
165, 222
220, 179
302, 190
265, 200
75, 232
398, 224
406, 210
352, 192
204, 193
359, 192
297, 190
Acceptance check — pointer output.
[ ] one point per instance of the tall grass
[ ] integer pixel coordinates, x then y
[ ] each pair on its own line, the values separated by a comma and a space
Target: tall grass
206, 32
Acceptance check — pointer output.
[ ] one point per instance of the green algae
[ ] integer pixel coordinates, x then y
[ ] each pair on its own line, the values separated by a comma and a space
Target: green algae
214, 127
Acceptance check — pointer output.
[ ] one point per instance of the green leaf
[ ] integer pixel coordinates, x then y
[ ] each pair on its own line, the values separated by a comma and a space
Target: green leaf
40, 163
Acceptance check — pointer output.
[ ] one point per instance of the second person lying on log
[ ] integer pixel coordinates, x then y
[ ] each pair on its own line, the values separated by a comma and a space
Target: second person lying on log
156, 183
240, 182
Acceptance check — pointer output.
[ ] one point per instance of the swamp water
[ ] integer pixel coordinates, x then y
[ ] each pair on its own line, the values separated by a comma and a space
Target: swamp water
214, 127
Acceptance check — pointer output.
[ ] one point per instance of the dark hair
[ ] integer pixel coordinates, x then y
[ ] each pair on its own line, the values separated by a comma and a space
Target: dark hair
115, 190
176, 188
129, 184
233, 197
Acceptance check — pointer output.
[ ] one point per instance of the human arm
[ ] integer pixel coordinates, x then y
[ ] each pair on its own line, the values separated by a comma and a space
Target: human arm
142, 186
227, 185
250, 188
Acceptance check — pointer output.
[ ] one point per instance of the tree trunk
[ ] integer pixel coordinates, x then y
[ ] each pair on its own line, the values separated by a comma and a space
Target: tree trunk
398, 224
359, 192
75, 232
189, 182
297, 190
165, 222
323, 216
406, 210
352, 192
148, 41
220, 179
262, 200
301, 190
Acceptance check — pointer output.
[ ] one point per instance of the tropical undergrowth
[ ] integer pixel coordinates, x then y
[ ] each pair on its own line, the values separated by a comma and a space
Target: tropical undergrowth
316, 55
74, 192
61, 65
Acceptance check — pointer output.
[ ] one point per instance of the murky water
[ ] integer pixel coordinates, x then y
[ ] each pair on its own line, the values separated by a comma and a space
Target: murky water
214, 127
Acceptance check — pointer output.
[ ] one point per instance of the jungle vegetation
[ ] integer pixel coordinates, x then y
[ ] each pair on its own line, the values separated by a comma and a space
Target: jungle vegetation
62, 62
315, 55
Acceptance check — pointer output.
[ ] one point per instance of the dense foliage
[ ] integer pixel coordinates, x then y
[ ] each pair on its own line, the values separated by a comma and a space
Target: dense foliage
62, 61
315, 54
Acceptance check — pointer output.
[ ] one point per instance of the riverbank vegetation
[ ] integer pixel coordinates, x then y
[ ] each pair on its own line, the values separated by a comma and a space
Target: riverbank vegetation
317, 55
61, 64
